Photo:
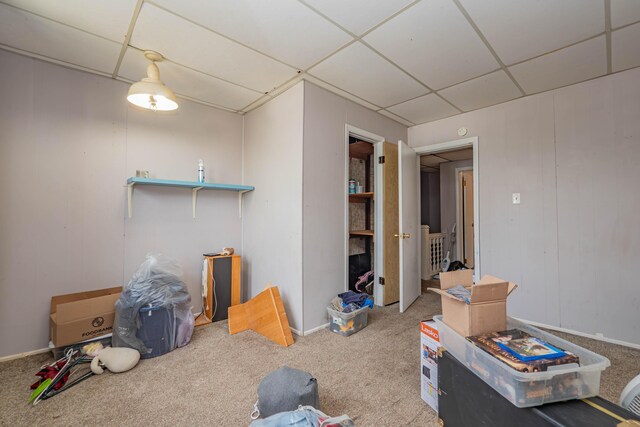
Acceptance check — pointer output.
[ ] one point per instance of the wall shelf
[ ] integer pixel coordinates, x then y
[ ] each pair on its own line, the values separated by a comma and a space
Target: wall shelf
194, 186
360, 197
361, 233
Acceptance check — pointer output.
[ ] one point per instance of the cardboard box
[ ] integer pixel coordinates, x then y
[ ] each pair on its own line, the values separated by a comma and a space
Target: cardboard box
429, 343
83, 315
488, 309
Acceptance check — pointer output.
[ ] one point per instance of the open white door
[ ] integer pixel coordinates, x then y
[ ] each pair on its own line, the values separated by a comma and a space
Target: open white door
409, 233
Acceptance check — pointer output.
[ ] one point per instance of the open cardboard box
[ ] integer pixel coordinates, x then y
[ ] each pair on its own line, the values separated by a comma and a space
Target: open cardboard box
488, 309
83, 315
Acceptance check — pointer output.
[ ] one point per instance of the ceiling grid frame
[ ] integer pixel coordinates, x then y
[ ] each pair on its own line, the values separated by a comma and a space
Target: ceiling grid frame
307, 72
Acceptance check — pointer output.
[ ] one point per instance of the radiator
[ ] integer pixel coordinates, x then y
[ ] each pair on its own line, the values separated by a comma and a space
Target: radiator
432, 252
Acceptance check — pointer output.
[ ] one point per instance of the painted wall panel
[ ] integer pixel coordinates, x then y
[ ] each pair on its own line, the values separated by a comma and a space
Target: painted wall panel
68, 142
514, 142
448, 203
570, 243
324, 202
272, 217
598, 150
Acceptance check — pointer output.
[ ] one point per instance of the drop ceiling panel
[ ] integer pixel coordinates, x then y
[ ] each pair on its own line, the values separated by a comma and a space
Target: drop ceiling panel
395, 117
284, 29
456, 155
434, 42
33, 34
625, 48
483, 91
106, 18
203, 50
573, 64
340, 92
358, 16
624, 12
432, 161
188, 82
424, 109
521, 29
362, 72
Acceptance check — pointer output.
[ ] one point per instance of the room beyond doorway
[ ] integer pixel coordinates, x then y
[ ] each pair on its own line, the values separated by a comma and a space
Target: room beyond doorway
448, 202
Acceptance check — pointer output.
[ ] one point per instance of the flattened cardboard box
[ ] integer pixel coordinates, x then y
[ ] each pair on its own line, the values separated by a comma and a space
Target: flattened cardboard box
488, 309
83, 315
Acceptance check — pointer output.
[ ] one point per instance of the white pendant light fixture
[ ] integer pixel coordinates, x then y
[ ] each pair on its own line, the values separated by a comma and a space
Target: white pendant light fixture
150, 92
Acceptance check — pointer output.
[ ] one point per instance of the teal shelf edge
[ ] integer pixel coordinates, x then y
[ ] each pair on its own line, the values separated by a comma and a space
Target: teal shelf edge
194, 186
189, 184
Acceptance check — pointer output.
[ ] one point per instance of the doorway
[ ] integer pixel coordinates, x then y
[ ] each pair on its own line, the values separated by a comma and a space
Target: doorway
449, 208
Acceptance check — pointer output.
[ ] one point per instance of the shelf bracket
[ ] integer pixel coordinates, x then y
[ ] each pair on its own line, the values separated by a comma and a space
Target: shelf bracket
194, 197
240, 193
130, 198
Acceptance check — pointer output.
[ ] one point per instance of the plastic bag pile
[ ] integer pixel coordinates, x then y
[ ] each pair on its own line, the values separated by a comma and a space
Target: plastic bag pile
156, 283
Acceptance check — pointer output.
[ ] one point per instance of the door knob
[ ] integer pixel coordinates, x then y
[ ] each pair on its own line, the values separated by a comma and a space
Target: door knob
403, 235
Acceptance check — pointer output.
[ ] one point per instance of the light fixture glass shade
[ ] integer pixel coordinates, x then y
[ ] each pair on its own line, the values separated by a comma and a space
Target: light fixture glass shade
151, 93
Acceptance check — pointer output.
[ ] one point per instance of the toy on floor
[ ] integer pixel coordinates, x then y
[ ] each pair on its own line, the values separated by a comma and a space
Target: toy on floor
120, 359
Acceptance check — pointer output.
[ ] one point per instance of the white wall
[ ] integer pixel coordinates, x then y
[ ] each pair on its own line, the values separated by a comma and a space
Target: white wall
68, 142
272, 216
324, 201
573, 242
448, 183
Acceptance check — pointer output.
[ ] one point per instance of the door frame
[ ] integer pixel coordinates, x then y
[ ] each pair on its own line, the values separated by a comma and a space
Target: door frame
459, 254
376, 141
453, 145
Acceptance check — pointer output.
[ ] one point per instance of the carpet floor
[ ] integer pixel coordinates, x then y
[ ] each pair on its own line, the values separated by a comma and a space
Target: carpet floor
373, 376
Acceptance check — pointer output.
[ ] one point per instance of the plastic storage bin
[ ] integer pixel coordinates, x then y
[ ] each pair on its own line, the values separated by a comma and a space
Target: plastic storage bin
347, 323
526, 389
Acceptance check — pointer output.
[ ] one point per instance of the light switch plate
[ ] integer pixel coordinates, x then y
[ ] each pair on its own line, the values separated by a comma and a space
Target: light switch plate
516, 198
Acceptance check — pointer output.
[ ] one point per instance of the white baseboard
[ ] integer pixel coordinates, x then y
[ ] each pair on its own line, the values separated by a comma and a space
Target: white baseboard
581, 334
25, 354
310, 331
319, 328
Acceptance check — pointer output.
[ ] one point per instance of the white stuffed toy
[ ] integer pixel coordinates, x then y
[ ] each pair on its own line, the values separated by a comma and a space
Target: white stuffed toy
118, 359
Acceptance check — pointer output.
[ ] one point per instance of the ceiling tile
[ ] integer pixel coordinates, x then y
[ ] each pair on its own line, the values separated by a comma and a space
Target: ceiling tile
454, 156
625, 48
340, 92
359, 70
424, 109
396, 117
483, 91
521, 29
358, 16
432, 161
106, 18
434, 42
198, 48
624, 12
31, 33
573, 64
284, 29
190, 83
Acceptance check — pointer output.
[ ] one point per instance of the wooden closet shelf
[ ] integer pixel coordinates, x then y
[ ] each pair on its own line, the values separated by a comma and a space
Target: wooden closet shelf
361, 233
360, 197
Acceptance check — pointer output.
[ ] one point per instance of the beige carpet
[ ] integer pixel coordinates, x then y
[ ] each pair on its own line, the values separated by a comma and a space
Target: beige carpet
373, 376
